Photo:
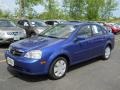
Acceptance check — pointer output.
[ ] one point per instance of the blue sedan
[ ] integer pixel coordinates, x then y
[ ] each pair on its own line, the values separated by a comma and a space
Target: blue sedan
59, 47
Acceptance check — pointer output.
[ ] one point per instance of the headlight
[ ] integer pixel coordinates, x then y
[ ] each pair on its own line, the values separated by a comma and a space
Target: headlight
34, 54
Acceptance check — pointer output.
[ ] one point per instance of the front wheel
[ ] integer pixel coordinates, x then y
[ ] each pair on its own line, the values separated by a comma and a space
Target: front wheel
107, 53
58, 68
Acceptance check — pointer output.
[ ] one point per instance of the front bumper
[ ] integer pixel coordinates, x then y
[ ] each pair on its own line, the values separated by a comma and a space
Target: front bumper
27, 66
11, 38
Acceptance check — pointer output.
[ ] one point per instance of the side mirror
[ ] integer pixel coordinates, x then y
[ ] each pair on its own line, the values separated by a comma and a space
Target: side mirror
79, 38
110, 31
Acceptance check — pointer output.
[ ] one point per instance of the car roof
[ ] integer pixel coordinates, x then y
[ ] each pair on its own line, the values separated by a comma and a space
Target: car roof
79, 22
55, 20
31, 20
37, 20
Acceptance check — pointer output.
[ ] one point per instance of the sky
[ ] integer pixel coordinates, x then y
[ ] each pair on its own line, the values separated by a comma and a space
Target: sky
9, 5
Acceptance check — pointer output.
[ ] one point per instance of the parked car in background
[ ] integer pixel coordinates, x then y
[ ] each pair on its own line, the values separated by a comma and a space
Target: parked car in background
106, 27
115, 28
118, 24
32, 27
54, 22
74, 21
38, 26
60, 47
9, 32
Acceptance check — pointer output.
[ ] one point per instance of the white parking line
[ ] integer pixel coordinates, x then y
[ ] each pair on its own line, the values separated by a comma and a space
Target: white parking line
1, 61
1, 54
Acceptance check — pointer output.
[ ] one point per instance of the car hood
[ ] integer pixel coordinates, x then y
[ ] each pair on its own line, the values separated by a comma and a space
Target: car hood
41, 28
10, 29
35, 43
38, 30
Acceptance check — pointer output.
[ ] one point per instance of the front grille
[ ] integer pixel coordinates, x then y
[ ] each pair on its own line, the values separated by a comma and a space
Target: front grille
16, 52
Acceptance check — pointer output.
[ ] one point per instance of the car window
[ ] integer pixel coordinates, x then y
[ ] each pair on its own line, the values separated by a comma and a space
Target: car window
23, 23
85, 31
97, 30
26, 24
38, 24
20, 22
107, 29
60, 31
6, 23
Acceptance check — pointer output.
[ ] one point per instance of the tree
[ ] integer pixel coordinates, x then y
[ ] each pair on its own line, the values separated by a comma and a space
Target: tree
25, 6
4, 14
89, 9
92, 9
108, 7
53, 11
74, 8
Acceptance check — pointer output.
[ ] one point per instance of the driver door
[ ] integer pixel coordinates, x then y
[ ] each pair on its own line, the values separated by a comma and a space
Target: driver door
80, 48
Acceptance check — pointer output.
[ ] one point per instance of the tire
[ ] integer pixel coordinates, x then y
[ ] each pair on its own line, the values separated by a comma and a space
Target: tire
107, 53
58, 68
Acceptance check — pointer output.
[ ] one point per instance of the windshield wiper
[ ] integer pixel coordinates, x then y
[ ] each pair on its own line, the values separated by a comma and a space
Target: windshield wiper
48, 36
53, 37
43, 35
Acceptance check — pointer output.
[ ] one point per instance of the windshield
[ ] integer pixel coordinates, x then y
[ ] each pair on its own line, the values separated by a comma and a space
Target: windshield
38, 24
60, 31
5, 23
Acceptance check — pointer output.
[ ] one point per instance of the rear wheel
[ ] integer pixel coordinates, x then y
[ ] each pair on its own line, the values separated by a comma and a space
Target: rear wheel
107, 53
58, 68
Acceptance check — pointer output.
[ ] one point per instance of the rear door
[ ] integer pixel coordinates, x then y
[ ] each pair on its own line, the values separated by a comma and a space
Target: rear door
98, 40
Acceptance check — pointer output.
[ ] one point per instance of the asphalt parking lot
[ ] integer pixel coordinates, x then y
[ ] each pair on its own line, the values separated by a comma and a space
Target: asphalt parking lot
93, 75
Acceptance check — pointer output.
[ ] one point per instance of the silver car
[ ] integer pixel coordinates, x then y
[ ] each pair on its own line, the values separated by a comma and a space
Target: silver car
9, 32
38, 26
32, 27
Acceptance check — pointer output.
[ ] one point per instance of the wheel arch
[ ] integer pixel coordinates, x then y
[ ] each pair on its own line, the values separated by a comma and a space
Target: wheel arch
109, 44
55, 57
60, 55
64, 56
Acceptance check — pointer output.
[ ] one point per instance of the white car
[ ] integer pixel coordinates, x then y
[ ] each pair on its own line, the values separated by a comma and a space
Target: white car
9, 32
